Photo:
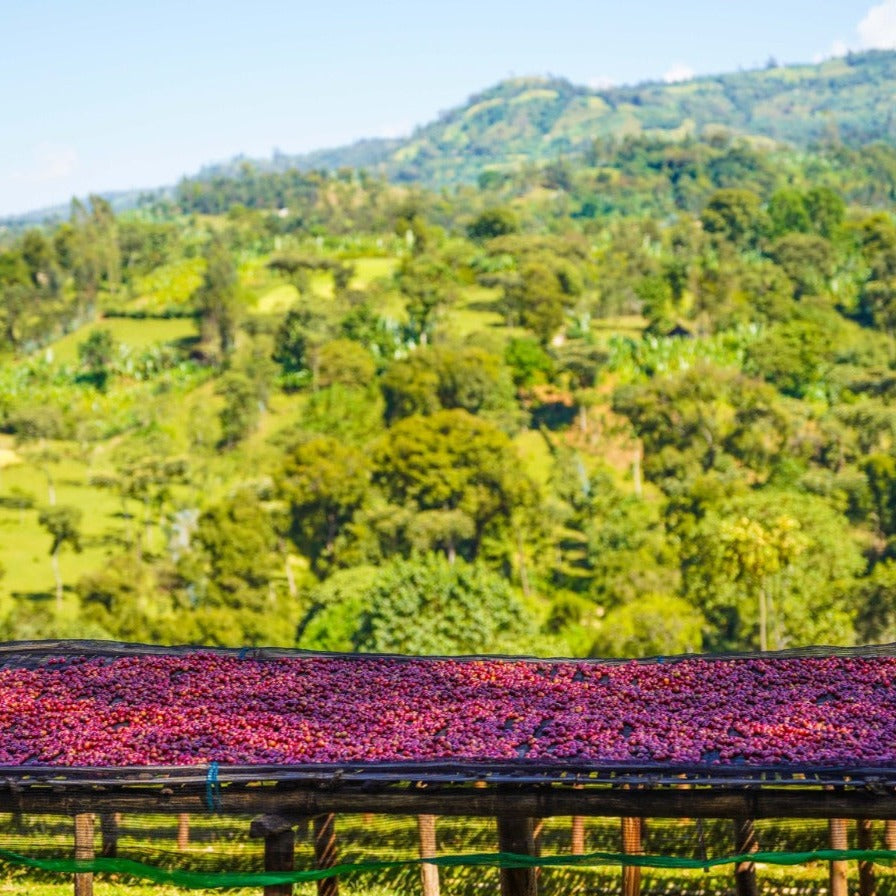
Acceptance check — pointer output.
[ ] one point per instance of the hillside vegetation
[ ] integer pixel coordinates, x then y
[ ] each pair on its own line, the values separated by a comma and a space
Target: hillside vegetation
640, 399
846, 100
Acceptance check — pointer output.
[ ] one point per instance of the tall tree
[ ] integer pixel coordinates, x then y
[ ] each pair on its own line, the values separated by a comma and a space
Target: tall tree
63, 523
218, 300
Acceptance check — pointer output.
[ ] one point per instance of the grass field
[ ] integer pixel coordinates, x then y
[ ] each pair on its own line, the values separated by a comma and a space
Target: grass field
137, 333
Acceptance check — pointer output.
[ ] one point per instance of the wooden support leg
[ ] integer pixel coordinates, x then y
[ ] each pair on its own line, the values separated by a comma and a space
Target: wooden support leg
631, 845
837, 885
279, 848
867, 886
109, 830
84, 852
429, 874
745, 872
578, 835
183, 831
325, 853
516, 835
890, 835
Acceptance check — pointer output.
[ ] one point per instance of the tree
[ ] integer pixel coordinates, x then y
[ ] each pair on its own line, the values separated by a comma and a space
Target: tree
652, 625
736, 215
455, 608
324, 481
791, 552
344, 363
787, 213
536, 299
795, 356
428, 285
807, 259
880, 471
63, 523
492, 222
95, 354
241, 410
452, 462
229, 574
754, 553
218, 300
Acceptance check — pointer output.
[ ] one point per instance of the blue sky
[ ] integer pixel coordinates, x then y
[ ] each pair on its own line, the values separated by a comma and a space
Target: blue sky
107, 95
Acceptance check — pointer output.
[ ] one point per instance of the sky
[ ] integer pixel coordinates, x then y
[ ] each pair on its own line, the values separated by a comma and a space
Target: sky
101, 95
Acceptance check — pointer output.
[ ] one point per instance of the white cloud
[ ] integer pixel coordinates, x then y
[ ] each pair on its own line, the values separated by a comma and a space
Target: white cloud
838, 49
678, 72
878, 29
601, 82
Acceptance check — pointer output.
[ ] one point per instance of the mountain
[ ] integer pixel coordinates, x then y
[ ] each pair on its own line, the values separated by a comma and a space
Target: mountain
848, 99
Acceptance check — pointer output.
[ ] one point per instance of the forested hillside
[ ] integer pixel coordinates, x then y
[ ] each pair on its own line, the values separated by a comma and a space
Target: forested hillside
638, 399
843, 101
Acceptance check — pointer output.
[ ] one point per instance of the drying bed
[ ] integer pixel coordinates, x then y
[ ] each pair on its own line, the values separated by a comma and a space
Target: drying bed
138, 707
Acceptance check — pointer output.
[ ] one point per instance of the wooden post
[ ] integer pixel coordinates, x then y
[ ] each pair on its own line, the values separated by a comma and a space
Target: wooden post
866, 869
183, 831
890, 835
837, 885
745, 872
429, 874
325, 853
578, 835
631, 845
516, 835
279, 848
109, 830
84, 852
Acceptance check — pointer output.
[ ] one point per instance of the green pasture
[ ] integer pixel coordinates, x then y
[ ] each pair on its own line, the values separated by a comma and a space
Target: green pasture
136, 333
25, 545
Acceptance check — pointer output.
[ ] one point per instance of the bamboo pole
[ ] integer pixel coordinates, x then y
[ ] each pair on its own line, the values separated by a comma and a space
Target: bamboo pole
84, 852
429, 874
837, 875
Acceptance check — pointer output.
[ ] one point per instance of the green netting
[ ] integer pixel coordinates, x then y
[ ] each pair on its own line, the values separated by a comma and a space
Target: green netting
219, 853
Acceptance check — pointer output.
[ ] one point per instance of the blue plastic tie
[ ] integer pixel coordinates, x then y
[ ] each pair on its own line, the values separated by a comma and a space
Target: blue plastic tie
242, 654
212, 788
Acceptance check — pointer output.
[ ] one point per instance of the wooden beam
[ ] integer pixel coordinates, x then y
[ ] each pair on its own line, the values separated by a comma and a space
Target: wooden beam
516, 835
523, 802
279, 848
84, 852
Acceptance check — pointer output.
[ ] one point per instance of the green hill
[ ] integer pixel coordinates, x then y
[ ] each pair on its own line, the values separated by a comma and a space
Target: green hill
847, 99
